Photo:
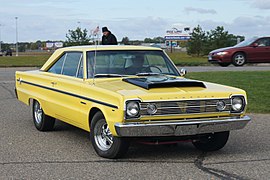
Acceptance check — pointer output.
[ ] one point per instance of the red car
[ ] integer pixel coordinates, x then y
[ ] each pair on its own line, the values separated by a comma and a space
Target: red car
254, 50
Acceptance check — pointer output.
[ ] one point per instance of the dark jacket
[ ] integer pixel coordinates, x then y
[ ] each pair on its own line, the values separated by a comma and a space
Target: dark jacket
109, 40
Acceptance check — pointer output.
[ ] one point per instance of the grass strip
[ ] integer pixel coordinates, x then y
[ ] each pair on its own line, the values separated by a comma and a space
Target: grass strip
255, 83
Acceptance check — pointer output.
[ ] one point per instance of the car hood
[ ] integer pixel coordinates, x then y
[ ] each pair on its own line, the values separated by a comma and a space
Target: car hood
172, 88
161, 81
221, 49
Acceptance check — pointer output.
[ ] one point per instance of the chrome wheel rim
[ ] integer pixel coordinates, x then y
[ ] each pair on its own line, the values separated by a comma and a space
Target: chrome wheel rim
103, 136
38, 113
239, 59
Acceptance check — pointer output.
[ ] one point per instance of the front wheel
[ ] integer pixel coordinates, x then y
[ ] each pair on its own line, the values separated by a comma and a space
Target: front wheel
104, 143
224, 64
239, 59
42, 121
212, 142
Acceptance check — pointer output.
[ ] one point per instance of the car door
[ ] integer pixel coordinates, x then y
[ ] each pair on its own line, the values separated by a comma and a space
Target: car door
266, 50
66, 82
260, 52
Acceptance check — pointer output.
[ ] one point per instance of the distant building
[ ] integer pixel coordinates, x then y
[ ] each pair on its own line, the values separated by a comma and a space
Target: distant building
54, 45
174, 36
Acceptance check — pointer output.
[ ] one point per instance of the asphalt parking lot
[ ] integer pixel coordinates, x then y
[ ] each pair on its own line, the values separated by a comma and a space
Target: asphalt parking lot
66, 152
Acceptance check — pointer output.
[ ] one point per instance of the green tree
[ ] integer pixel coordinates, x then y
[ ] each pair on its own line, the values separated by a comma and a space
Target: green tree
219, 38
135, 42
125, 41
33, 46
154, 40
158, 40
147, 40
197, 42
201, 42
77, 37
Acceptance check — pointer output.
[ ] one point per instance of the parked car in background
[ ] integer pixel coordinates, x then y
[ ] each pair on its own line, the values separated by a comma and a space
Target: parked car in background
254, 50
122, 93
8, 52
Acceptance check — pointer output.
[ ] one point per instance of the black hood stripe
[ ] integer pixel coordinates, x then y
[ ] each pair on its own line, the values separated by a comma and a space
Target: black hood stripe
146, 83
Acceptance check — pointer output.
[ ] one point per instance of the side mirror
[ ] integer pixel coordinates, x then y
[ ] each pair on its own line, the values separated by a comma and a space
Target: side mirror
183, 72
255, 45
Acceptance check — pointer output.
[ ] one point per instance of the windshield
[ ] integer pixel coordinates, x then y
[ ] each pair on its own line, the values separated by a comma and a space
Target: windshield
128, 62
246, 42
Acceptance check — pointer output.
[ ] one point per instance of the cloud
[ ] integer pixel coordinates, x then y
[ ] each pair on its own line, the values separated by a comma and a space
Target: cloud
251, 26
137, 28
200, 10
261, 4
245, 26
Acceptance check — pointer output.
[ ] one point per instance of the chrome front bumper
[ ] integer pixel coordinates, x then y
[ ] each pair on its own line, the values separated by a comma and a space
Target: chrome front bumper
180, 128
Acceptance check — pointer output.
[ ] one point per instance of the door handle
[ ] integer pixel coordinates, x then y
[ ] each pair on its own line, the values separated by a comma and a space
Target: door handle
82, 102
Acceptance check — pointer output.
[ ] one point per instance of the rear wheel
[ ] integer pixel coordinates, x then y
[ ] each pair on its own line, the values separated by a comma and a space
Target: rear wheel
42, 121
212, 142
239, 59
104, 143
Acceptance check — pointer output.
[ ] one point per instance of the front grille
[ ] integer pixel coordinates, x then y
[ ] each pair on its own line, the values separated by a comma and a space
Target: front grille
185, 107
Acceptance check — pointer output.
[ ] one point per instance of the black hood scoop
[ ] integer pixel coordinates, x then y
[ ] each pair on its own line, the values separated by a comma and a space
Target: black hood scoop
161, 81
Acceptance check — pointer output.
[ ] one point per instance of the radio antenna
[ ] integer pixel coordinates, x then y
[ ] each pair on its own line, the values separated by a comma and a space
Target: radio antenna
95, 33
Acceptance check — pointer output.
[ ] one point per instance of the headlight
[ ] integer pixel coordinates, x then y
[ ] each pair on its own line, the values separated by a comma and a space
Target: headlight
151, 108
222, 53
221, 105
132, 109
238, 103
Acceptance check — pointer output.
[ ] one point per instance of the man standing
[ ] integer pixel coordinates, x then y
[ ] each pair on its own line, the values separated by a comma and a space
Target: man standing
108, 38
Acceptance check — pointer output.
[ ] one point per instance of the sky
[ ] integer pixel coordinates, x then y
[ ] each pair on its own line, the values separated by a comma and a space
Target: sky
137, 19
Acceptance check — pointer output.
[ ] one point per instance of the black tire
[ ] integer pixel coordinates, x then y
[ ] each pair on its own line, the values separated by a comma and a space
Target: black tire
212, 142
224, 64
239, 59
104, 143
42, 121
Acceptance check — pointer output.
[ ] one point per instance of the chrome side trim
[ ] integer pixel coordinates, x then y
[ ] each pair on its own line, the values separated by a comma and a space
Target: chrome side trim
180, 128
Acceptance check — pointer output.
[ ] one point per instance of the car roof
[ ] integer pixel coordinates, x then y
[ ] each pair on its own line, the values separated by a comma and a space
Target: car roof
60, 51
108, 47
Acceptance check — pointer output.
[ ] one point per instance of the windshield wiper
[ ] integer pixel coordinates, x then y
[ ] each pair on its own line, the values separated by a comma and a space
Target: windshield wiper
108, 75
147, 74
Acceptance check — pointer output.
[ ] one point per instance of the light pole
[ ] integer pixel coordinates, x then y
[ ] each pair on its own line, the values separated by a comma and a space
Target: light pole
0, 38
16, 18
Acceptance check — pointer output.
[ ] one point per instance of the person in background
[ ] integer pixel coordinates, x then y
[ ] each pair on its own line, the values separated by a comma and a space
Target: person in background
108, 38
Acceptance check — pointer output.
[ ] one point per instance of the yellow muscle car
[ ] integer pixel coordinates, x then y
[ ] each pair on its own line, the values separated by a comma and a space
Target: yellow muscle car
119, 93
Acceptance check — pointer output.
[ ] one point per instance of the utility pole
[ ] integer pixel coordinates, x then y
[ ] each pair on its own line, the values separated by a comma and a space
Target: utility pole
0, 39
16, 18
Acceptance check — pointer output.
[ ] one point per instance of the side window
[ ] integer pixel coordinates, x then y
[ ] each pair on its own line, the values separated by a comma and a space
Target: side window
263, 42
268, 42
69, 64
72, 64
57, 67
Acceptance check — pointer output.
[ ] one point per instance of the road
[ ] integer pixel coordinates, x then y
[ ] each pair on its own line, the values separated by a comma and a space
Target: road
263, 67
66, 152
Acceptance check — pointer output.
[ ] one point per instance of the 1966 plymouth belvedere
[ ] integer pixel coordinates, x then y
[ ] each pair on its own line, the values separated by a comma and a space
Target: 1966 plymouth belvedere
119, 93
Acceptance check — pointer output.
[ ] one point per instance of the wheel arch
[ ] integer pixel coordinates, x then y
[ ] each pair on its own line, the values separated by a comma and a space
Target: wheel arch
92, 112
40, 101
30, 101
